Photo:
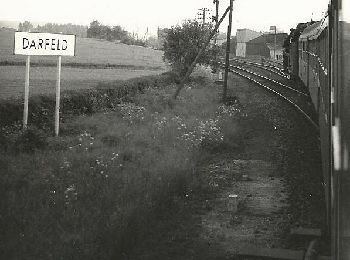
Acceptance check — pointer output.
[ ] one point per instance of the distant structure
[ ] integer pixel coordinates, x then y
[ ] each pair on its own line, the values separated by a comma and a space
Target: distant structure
221, 39
264, 46
244, 36
252, 43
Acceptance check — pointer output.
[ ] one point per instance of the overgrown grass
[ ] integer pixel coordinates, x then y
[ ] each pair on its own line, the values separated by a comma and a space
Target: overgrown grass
115, 175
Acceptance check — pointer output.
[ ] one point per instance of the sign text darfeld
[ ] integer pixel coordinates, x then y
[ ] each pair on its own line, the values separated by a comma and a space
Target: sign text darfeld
52, 44
27, 43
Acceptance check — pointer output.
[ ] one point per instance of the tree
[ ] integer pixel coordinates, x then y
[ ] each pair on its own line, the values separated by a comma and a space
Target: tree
182, 44
94, 30
78, 30
25, 26
118, 33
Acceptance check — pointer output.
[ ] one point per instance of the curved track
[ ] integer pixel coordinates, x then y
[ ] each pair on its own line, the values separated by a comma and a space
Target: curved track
298, 99
266, 66
269, 79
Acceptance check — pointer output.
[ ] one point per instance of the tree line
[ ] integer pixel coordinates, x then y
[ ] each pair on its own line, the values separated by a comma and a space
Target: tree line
94, 30
78, 30
112, 33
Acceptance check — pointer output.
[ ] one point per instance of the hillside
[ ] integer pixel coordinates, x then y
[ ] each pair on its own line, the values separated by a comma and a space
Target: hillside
89, 51
95, 61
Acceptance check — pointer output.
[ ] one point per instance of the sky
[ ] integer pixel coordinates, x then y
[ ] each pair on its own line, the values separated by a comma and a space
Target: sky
136, 16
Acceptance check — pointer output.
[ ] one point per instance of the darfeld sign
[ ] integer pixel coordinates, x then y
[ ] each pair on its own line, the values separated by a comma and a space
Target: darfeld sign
43, 44
27, 43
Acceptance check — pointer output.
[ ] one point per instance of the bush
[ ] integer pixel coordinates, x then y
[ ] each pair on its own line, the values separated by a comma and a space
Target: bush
31, 139
15, 139
73, 103
182, 44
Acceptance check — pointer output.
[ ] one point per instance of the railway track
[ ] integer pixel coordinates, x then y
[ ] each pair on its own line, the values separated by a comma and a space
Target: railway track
296, 98
271, 80
266, 66
272, 72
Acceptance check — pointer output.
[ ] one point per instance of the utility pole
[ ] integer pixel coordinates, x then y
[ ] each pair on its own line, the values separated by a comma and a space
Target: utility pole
274, 28
228, 47
216, 2
203, 14
216, 17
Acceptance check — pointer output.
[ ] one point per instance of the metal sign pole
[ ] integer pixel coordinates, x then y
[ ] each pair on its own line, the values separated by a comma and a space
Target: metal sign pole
26, 93
58, 93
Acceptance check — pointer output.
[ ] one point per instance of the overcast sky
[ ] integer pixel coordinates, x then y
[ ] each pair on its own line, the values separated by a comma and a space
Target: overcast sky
136, 15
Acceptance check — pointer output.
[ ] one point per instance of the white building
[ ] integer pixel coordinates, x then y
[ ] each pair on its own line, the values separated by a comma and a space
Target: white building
244, 36
276, 52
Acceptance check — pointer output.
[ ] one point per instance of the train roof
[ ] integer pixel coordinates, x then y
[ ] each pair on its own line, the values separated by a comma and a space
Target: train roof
314, 30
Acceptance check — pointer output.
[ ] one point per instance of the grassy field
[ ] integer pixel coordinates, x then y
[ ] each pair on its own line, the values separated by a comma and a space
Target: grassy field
91, 51
114, 180
43, 80
95, 61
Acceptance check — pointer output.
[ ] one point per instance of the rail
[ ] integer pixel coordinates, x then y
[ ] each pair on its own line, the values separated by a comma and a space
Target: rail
235, 70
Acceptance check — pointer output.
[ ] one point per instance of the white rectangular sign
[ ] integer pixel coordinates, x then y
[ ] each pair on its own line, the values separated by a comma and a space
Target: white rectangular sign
27, 43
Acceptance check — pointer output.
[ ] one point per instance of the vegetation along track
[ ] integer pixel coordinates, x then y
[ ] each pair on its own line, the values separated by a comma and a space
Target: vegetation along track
298, 99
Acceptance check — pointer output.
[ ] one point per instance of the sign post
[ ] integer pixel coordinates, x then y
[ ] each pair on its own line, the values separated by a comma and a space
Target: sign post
58, 93
26, 93
44, 44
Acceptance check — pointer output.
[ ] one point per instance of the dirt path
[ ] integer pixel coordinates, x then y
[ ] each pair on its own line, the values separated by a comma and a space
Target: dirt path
266, 175
253, 176
261, 200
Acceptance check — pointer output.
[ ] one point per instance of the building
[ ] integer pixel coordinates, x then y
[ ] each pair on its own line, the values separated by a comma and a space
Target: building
264, 46
221, 39
276, 53
244, 36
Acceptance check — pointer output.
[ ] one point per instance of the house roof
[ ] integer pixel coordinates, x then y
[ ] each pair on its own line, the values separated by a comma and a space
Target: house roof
272, 46
270, 39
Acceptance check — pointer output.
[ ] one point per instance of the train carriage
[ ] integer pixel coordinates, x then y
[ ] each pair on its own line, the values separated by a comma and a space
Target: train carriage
313, 62
314, 72
340, 89
322, 57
